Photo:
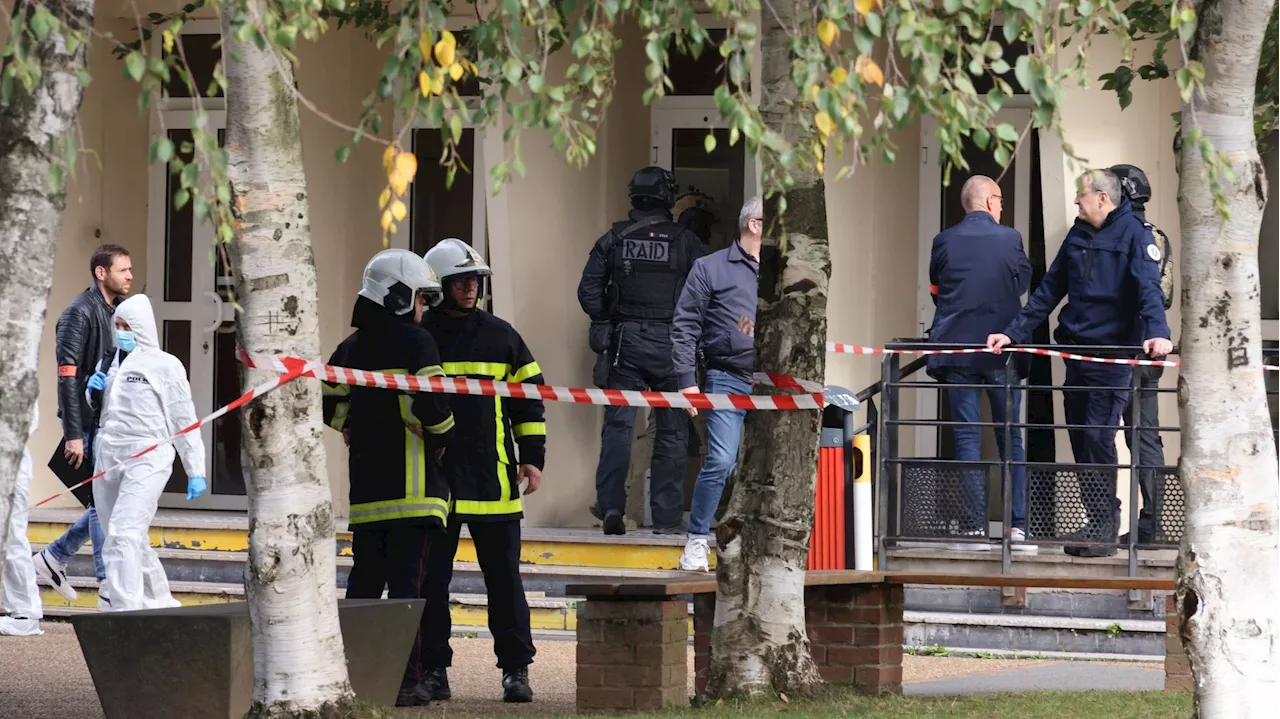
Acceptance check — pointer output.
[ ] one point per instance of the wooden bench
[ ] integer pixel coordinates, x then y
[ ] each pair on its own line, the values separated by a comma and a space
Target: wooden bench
633, 635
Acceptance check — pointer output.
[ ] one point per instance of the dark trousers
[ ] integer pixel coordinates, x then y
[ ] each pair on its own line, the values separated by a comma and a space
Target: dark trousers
498, 551
392, 558
1150, 449
641, 361
1096, 444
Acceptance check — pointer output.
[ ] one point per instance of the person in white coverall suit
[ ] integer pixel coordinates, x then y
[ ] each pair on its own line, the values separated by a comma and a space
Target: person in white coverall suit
21, 595
146, 399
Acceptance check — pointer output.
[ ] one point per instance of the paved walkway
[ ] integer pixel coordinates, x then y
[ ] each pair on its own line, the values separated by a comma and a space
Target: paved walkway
45, 677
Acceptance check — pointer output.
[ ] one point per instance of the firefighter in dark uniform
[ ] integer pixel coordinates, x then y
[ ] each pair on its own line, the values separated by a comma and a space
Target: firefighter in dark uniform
399, 493
629, 288
1150, 447
499, 444
1109, 269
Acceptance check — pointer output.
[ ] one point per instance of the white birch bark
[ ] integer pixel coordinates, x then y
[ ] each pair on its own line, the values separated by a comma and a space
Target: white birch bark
299, 662
759, 643
30, 221
1228, 573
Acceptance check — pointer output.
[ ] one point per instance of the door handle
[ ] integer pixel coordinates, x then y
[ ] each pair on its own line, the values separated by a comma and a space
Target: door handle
217, 303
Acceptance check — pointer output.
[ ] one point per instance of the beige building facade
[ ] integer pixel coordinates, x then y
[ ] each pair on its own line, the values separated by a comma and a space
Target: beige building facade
537, 232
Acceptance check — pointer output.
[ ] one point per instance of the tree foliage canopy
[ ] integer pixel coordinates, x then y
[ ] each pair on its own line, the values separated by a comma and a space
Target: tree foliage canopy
860, 71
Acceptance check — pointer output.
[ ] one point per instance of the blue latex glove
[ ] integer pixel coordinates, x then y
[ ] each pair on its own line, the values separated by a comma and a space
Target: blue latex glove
97, 381
195, 487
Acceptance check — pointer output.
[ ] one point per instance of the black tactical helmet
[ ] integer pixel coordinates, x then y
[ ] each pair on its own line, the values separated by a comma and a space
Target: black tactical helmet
1134, 183
655, 183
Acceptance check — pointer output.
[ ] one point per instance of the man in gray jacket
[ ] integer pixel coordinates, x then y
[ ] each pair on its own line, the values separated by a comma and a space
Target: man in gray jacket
717, 312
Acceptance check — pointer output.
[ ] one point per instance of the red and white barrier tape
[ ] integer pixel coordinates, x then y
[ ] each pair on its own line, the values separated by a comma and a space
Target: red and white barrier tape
291, 371
812, 399
838, 348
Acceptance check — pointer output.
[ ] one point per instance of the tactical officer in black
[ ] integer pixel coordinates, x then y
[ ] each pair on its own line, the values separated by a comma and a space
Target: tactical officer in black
629, 288
1136, 187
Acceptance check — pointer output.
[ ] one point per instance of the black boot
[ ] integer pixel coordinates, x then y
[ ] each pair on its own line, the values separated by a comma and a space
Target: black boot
613, 523
515, 686
412, 696
435, 685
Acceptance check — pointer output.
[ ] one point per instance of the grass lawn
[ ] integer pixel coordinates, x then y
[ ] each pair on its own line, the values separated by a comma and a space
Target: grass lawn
1033, 705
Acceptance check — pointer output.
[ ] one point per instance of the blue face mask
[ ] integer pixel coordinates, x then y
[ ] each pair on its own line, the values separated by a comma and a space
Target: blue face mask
125, 340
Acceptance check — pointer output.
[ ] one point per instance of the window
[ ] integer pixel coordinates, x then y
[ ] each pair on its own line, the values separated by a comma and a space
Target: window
439, 211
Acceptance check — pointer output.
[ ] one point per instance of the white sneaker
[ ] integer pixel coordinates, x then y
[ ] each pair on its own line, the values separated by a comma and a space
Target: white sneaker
53, 573
104, 601
1018, 541
971, 546
19, 627
694, 558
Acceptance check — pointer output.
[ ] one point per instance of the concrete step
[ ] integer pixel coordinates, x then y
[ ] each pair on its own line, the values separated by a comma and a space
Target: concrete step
926, 630
229, 532
223, 567
1110, 605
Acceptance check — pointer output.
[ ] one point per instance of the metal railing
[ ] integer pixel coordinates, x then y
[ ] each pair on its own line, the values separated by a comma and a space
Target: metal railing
923, 499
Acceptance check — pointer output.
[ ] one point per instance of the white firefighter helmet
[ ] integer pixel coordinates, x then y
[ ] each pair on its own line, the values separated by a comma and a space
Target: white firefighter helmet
393, 277
452, 257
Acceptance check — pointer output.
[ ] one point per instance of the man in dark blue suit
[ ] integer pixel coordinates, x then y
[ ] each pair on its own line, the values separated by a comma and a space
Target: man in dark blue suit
978, 272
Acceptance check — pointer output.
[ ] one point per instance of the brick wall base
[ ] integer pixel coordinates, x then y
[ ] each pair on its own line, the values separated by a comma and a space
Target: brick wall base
1177, 667
632, 655
855, 635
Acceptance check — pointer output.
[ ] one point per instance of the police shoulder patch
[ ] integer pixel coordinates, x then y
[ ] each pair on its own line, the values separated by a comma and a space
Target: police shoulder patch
1153, 252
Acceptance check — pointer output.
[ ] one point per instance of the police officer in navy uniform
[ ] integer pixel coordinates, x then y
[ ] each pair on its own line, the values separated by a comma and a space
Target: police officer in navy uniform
1150, 447
978, 273
399, 494
1109, 270
499, 443
629, 288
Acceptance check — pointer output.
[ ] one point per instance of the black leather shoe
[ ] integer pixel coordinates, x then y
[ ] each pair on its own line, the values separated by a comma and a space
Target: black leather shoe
515, 686
412, 696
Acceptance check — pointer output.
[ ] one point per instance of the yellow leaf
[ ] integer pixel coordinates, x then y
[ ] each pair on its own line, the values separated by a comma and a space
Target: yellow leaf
386, 219
424, 45
817, 152
384, 198
168, 40
437, 82
448, 38
398, 210
813, 92
389, 156
392, 228
444, 53
406, 167
824, 123
839, 75
455, 72
827, 30
868, 70
424, 82
864, 6
399, 185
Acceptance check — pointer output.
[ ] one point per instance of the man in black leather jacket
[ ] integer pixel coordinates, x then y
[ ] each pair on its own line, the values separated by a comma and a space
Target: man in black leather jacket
85, 335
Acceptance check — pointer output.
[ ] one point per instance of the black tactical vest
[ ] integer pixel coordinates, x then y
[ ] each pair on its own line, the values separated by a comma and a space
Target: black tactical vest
648, 264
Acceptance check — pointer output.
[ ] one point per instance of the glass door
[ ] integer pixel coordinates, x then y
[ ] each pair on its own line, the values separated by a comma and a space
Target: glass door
190, 289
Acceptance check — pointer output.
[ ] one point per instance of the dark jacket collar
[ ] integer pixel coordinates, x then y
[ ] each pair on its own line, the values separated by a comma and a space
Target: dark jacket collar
737, 254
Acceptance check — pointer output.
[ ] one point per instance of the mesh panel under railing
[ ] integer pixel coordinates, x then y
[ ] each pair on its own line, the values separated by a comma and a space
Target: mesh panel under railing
934, 499
1174, 514
1072, 502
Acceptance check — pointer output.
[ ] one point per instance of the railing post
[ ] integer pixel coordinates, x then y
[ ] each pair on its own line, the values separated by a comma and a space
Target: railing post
1135, 454
1006, 469
887, 435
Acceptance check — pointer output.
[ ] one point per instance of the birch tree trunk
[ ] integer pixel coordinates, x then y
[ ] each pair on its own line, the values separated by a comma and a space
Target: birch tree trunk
759, 642
1228, 578
299, 663
31, 124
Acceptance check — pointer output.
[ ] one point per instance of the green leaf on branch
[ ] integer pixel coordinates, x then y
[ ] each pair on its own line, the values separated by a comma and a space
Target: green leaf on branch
135, 64
1006, 132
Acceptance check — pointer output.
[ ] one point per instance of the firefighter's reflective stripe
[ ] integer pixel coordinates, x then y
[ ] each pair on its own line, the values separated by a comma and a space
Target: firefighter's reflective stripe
475, 508
530, 370
408, 508
529, 429
442, 427
343, 406
488, 370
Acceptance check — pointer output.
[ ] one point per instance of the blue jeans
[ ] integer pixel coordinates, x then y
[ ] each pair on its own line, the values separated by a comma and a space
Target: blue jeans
965, 407
85, 529
724, 433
